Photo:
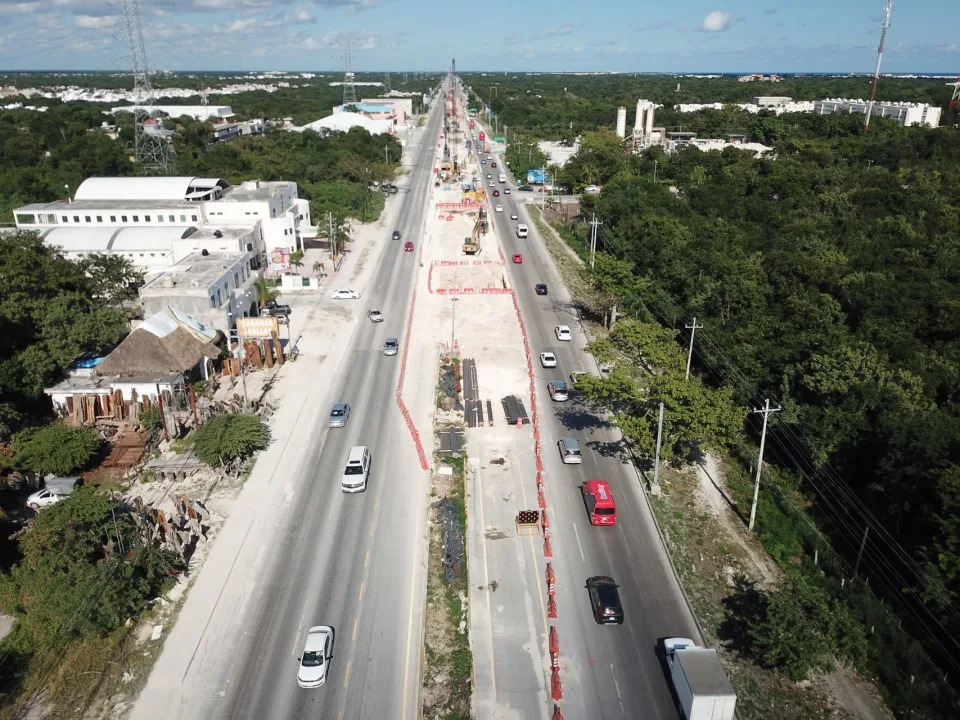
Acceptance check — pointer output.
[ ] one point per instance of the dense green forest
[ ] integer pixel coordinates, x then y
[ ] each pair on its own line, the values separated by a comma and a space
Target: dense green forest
562, 106
827, 279
46, 155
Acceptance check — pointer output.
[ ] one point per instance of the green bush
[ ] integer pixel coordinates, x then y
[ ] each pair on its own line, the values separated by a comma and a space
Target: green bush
59, 449
73, 581
151, 420
226, 438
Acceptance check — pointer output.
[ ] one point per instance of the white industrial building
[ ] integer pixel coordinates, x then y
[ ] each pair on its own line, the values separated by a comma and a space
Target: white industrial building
172, 216
343, 122
903, 112
198, 112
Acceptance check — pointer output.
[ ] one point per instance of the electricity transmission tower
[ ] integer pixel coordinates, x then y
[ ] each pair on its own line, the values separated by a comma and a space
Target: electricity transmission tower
386, 83
876, 73
152, 152
955, 99
349, 89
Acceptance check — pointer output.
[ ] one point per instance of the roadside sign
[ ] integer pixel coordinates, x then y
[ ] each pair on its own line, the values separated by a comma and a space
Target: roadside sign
257, 327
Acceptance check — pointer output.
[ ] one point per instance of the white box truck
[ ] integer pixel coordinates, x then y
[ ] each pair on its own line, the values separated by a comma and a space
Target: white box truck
702, 686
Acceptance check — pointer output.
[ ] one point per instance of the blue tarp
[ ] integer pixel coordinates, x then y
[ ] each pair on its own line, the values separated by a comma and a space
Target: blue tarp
535, 177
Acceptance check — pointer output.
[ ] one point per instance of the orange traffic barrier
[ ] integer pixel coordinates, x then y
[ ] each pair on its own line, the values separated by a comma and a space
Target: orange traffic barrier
541, 500
556, 691
551, 578
552, 607
554, 642
545, 520
547, 549
557, 715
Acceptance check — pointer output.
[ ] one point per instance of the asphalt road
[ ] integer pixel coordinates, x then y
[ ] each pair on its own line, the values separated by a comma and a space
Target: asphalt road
609, 671
348, 560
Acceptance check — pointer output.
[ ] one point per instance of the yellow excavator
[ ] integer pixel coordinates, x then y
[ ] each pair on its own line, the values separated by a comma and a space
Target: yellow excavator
471, 245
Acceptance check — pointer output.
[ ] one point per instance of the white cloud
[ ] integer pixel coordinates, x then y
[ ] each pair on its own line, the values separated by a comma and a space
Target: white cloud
88, 21
717, 21
562, 30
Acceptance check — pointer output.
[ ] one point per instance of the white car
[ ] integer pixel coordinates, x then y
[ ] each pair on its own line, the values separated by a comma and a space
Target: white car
317, 652
563, 333
506, 191
345, 294
489, 176
513, 216
548, 359
491, 183
558, 391
44, 498
498, 208
489, 157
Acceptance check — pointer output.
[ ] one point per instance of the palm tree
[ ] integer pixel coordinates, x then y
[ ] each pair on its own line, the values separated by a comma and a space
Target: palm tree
265, 291
319, 270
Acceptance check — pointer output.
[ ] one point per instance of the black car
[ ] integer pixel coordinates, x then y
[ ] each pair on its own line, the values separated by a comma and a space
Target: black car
525, 188
541, 288
605, 600
396, 234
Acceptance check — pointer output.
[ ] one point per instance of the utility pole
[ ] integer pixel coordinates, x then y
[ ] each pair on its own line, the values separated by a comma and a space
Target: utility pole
453, 324
763, 437
543, 187
693, 329
593, 239
654, 172
656, 458
386, 153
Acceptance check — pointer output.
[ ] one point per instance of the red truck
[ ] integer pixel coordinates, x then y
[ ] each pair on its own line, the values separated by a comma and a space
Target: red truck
482, 136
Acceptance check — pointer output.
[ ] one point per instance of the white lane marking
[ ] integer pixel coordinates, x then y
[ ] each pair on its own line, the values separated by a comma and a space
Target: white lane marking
578, 542
617, 685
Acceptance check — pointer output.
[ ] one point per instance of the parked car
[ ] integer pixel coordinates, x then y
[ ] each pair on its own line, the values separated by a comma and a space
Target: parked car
272, 307
408, 246
605, 600
317, 653
540, 288
45, 498
548, 359
558, 391
391, 346
396, 234
345, 294
375, 316
563, 333
339, 415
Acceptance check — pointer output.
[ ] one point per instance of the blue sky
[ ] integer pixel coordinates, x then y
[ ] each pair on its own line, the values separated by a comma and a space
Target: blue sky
551, 35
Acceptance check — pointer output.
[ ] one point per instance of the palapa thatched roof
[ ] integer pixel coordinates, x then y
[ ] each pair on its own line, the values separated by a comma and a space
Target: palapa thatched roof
143, 352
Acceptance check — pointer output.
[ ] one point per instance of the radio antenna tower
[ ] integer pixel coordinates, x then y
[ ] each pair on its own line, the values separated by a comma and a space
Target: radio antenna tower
955, 99
876, 73
152, 152
349, 89
386, 82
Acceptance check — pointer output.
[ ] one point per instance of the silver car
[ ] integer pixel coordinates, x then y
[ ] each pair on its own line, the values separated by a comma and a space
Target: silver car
391, 346
339, 415
558, 391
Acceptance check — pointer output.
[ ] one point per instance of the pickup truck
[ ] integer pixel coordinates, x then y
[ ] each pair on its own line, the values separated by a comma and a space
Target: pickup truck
273, 308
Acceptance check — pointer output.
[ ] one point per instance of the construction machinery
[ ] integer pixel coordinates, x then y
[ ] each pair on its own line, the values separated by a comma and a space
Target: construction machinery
471, 245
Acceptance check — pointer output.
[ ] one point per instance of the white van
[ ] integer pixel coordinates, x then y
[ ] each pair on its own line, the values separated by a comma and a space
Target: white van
521, 230
503, 178
357, 471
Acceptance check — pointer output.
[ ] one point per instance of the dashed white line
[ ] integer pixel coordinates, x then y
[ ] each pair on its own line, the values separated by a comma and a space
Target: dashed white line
578, 542
617, 686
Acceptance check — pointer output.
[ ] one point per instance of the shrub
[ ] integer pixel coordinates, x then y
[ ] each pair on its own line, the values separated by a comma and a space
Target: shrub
226, 438
59, 449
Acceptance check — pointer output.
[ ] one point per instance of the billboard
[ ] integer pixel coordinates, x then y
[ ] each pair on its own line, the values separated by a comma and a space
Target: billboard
535, 177
257, 327
498, 139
